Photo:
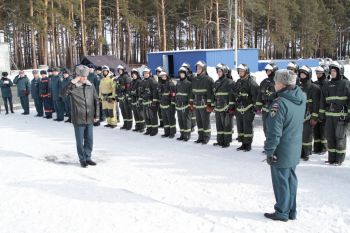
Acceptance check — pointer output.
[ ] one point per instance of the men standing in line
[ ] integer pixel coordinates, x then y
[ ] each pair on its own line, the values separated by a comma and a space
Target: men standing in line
66, 99
23, 90
35, 90
202, 89
183, 95
6, 93
159, 69
320, 140
166, 92
55, 92
135, 102
190, 77
224, 106
246, 93
107, 97
122, 95
313, 94
267, 93
45, 94
334, 109
150, 102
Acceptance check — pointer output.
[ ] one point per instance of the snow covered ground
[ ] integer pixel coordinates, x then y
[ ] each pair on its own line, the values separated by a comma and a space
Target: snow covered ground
149, 184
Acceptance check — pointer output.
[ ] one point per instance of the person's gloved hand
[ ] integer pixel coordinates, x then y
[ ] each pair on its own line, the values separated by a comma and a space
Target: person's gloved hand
231, 111
191, 108
271, 159
313, 123
209, 108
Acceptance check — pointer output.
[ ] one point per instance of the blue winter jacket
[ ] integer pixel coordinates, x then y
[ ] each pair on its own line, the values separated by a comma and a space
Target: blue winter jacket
285, 127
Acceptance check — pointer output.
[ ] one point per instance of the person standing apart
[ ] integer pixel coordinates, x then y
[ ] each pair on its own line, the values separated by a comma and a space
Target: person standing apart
283, 144
84, 112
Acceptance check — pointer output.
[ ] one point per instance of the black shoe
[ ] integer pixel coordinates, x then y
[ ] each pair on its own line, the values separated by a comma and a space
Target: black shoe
171, 136
97, 123
198, 141
225, 145
141, 130
217, 144
242, 147
135, 130
69, 120
165, 135
91, 163
123, 127
204, 142
7, 113
147, 133
153, 134
329, 162
25, 113
274, 217
48, 117
108, 125
186, 139
337, 164
58, 120
247, 148
180, 138
292, 218
112, 126
305, 158
83, 164
12, 111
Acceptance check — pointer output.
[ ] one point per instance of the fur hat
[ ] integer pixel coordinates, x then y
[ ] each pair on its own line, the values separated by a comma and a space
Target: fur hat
82, 71
286, 77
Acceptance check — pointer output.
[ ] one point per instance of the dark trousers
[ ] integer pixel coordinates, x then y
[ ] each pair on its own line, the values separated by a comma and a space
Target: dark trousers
84, 141
264, 116
125, 108
223, 127
24, 103
336, 139
39, 106
150, 112
320, 140
160, 117
193, 119
67, 106
138, 115
285, 184
307, 140
245, 126
203, 123
48, 108
169, 121
8, 101
184, 119
59, 109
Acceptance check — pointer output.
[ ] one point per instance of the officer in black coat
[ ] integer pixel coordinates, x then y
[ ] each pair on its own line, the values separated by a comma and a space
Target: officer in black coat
224, 106
183, 95
320, 140
137, 108
246, 93
313, 94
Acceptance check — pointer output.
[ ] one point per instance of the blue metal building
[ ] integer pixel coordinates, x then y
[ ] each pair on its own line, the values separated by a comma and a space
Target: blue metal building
172, 60
282, 64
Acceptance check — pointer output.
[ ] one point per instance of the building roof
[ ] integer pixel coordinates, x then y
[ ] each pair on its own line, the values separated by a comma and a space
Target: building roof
108, 60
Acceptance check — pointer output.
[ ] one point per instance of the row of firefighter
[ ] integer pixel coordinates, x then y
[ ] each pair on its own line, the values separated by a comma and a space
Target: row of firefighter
149, 102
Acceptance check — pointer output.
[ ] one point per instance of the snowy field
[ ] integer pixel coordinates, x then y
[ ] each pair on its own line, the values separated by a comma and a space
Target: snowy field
146, 184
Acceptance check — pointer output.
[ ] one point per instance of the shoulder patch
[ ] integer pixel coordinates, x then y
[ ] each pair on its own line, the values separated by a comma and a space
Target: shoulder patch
274, 109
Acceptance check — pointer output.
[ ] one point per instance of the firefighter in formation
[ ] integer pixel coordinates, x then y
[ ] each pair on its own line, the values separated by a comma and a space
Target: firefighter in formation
145, 99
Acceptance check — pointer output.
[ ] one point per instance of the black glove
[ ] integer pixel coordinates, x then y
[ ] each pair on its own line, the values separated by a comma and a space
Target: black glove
271, 159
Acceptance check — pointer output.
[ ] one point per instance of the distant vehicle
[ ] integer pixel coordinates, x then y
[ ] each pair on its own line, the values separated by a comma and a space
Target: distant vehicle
325, 61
